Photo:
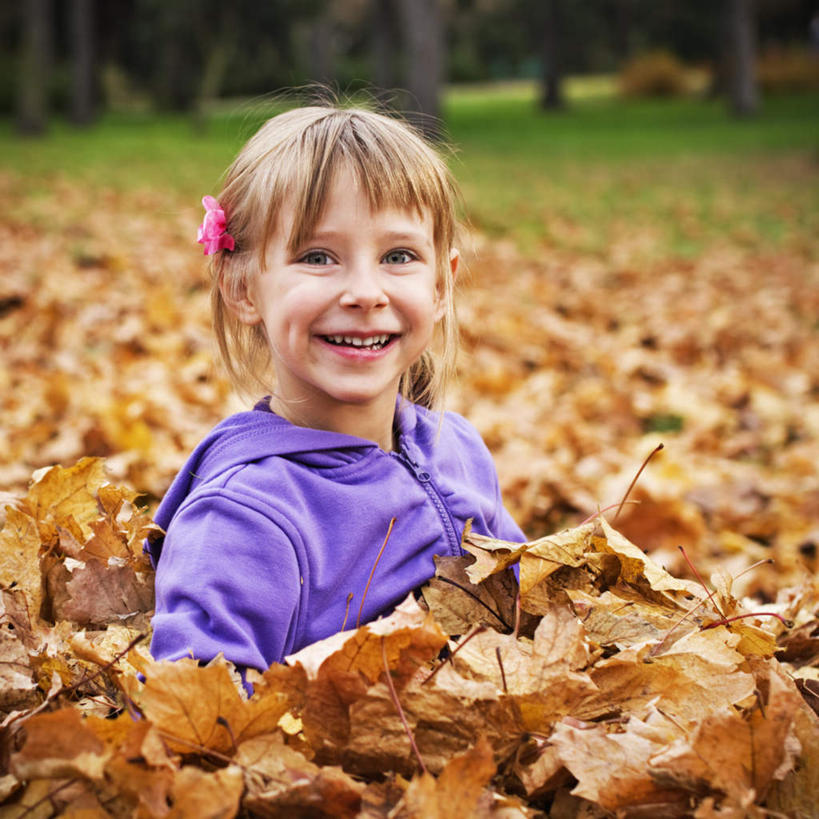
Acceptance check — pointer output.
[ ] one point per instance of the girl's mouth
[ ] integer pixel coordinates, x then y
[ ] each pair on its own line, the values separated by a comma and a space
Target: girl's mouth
376, 342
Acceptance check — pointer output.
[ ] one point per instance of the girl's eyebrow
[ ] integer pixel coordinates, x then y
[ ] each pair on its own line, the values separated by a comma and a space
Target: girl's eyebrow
391, 236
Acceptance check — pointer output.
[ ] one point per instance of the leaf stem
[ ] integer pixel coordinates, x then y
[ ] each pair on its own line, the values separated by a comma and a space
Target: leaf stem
608, 508
477, 630
639, 472
372, 572
709, 595
477, 599
347, 611
398, 707
726, 620
503, 673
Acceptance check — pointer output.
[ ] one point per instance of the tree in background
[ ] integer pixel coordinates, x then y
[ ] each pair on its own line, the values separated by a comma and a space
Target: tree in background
422, 26
384, 48
742, 91
35, 60
179, 55
551, 55
83, 86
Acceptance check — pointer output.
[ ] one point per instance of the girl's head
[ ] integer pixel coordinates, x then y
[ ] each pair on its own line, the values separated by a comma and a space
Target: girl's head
276, 192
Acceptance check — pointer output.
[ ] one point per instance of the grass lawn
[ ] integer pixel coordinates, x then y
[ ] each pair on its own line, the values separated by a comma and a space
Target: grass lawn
683, 171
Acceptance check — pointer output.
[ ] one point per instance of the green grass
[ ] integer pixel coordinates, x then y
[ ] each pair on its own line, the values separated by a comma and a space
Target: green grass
681, 170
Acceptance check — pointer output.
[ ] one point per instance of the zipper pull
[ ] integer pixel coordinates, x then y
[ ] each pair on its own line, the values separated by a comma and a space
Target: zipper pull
421, 474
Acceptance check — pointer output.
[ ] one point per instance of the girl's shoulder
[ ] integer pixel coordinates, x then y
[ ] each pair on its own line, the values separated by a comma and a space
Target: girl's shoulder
447, 437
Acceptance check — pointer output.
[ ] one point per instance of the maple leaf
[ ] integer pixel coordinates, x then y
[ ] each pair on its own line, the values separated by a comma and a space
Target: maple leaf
610, 762
281, 781
341, 668
20, 557
60, 494
459, 605
18, 689
797, 793
209, 795
94, 593
199, 708
542, 677
738, 753
637, 566
60, 744
457, 793
686, 686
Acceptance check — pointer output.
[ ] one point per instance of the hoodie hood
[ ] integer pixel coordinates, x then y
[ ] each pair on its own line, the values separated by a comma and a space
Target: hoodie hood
257, 434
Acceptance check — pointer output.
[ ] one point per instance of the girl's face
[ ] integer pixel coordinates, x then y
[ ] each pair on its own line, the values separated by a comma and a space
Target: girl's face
350, 310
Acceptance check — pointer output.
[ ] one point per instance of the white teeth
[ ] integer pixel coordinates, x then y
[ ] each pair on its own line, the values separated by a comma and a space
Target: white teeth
355, 341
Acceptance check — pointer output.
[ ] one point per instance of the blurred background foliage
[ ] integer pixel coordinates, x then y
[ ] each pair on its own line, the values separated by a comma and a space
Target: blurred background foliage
82, 58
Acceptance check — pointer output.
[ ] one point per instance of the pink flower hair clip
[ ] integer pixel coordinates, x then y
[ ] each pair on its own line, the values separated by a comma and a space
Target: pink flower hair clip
212, 233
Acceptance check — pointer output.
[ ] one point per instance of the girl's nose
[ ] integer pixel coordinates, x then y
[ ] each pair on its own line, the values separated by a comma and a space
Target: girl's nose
364, 288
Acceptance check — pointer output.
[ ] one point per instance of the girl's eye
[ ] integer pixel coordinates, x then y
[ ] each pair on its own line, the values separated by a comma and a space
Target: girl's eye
399, 257
316, 257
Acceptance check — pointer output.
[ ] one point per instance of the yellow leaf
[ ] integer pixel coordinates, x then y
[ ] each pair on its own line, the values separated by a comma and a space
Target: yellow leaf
20, 557
199, 708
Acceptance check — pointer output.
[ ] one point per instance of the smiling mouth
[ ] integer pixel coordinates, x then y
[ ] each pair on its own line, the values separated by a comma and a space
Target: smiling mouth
376, 342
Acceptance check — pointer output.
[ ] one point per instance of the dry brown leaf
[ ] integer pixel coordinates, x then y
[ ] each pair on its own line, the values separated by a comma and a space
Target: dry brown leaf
687, 687
491, 555
458, 604
60, 745
738, 754
623, 620
94, 594
457, 793
20, 557
797, 794
59, 493
199, 708
282, 782
18, 689
410, 638
610, 762
637, 565
206, 795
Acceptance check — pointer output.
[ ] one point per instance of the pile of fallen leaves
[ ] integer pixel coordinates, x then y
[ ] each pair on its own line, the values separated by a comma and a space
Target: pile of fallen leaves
599, 685
575, 363
603, 694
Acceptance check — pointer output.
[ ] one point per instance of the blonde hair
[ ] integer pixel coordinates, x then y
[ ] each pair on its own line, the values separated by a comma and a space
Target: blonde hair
293, 158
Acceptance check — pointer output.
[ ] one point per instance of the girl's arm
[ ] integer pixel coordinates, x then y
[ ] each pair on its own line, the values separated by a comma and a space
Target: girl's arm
228, 581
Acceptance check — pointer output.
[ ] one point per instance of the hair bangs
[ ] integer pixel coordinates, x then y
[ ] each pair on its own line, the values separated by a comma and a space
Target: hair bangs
393, 172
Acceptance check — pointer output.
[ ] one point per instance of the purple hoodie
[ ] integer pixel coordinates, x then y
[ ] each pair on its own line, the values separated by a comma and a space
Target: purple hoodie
270, 527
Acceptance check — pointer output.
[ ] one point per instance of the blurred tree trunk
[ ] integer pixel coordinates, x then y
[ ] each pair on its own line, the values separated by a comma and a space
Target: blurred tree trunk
623, 25
422, 26
551, 58
219, 44
742, 57
383, 47
174, 85
35, 58
323, 48
83, 75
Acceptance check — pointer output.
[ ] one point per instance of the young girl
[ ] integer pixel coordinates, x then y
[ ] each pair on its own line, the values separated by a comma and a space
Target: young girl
333, 268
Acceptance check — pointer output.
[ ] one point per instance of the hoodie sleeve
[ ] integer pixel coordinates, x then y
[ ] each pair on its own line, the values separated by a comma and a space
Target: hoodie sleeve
481, 470
228, 580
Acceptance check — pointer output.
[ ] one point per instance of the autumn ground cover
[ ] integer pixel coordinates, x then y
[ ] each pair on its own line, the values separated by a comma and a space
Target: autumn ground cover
637, 275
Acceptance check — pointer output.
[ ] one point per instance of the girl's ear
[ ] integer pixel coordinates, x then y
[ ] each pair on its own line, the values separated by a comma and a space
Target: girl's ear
238, 299
441, 291
454, 258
